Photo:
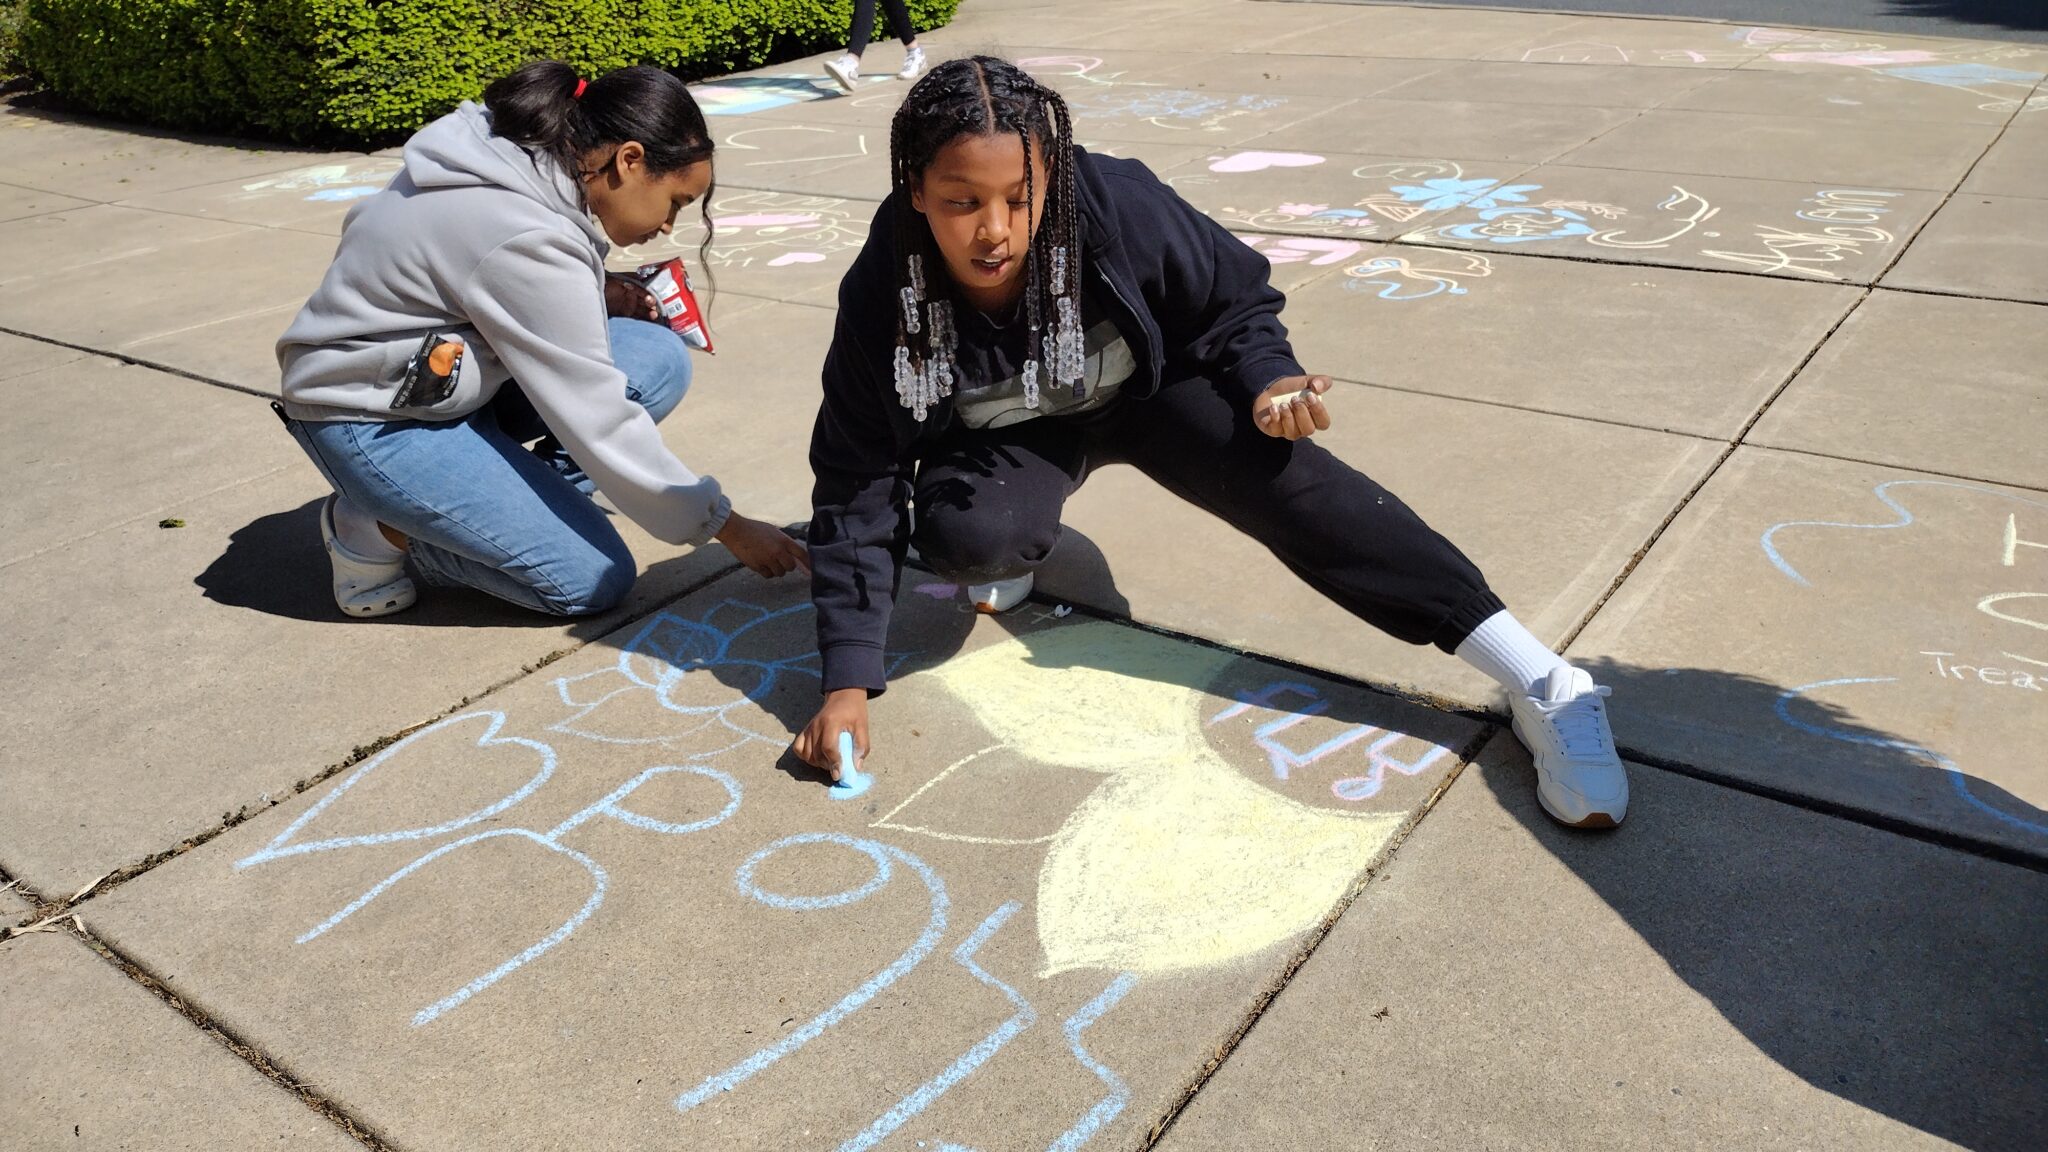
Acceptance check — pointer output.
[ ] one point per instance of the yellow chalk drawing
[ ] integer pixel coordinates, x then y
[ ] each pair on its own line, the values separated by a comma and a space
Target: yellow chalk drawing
1176, 861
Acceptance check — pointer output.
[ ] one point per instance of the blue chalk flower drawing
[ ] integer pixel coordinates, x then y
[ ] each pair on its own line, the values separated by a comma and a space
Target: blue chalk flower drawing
1518, 225
1451, 192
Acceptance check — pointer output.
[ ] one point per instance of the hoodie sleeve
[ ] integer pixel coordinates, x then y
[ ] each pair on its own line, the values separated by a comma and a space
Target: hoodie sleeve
533, 301
861, 456
1211, 293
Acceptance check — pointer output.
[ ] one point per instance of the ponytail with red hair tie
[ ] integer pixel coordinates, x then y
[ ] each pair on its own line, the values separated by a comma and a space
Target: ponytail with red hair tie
581, 85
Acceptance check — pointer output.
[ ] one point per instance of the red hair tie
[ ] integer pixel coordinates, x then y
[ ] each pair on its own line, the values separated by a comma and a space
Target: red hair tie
580, 86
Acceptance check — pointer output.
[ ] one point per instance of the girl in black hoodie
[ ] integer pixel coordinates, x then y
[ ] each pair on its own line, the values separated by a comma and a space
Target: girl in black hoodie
1024, 312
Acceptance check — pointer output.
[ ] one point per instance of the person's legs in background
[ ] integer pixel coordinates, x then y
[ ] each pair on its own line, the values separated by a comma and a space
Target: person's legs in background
845, 69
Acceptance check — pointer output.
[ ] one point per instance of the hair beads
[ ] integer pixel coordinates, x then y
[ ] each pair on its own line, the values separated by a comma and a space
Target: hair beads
985, 96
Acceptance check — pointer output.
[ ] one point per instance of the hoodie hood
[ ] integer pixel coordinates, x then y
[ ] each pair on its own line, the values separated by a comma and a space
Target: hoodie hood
460, 150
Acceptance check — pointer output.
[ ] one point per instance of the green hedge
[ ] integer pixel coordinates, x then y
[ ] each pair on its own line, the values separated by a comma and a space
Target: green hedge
359, 71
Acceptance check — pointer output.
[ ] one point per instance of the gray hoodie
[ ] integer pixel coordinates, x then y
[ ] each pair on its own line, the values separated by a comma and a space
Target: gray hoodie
477, 237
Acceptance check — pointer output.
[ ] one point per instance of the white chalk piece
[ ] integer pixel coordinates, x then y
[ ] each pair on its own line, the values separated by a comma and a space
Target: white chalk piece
851, 782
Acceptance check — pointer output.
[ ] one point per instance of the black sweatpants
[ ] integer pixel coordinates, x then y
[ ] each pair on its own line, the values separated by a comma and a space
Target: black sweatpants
989, 502
864, 24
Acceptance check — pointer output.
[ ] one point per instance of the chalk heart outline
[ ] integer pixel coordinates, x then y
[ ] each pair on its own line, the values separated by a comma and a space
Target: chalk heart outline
1261, 161
282, 846
788, 258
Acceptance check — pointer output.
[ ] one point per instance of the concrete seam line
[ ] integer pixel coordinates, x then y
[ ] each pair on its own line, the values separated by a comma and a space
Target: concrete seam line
264, 1065
1374, 868
123, 874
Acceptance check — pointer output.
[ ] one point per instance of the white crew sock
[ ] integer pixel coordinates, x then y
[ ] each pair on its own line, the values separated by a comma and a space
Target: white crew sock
1506, 651
358, 532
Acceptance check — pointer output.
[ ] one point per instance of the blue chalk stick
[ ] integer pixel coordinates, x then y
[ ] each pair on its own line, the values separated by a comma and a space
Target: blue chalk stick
851, 782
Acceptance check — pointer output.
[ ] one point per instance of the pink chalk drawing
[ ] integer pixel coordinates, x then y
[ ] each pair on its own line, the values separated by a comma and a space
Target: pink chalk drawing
1294, 249
1260, 161
938, 591
775, 229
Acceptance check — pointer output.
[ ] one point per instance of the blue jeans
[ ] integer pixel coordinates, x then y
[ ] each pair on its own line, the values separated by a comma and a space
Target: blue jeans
483, 511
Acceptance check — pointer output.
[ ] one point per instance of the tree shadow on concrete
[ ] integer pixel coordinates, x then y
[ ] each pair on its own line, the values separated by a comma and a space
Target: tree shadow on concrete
275, 565
2011, 15
1894, 973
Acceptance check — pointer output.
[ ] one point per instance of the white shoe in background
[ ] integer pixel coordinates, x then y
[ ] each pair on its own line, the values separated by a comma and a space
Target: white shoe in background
1580, 779
846, 70
913, 64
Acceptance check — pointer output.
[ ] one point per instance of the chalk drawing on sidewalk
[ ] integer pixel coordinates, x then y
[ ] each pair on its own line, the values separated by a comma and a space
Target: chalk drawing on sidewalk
335, 183
2009, 608
771, 230
1418, 274
612, 806
1176, 860
1958, 780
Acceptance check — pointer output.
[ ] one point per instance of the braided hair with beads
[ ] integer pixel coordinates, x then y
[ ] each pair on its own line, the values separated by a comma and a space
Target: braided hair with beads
985, 96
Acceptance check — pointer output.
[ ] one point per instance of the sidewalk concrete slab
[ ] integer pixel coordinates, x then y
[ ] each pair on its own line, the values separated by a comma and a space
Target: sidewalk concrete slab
96, 1061
315, 198
1800, 231
141, 644
774, 245
1980, 245
100, 236
1504, 82
69, 478
1552, 564
1280, 74
1642, 43
1346, 196
1036, 926
1896, 154
1606, 342
1414, 34
1184, 116
1391, 127
2014, 165
13, 906
20, 356
1842, 94
100, 161
802, 158
1246, 28
1848, 633
174, 291
1722, 972
1867, 395
1069, 72
17, 203
240, 350
748, 417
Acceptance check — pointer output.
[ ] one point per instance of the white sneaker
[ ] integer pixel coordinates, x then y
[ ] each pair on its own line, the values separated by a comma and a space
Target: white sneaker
845, 70
364, 587
1580, 780
1000, 596
913, 64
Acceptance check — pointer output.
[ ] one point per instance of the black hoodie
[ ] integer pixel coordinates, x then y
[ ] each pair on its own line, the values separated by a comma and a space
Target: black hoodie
1188, 298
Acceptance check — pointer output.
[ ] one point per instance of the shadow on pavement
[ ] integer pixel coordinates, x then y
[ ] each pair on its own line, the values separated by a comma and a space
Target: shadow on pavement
1892, 973
275, 565
2013, 15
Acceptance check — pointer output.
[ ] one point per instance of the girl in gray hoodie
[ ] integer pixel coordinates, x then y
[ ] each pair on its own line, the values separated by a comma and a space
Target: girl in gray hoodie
491, 242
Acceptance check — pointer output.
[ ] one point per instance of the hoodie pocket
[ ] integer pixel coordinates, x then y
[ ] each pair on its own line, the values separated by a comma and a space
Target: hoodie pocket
463, 393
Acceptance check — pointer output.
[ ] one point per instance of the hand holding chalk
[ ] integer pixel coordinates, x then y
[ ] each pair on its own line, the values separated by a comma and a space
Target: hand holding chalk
851, 782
